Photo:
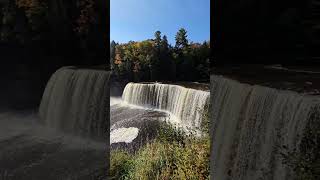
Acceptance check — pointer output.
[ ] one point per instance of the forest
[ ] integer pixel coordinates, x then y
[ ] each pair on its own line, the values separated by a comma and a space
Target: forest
157, 60
37, 37
70, 32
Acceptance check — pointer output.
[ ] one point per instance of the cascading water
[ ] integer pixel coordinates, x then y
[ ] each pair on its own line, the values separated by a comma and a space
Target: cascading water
77, 101
137, 116
185, 104
251, 124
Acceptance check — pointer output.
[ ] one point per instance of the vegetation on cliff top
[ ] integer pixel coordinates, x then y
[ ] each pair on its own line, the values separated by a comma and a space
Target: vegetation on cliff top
156, 60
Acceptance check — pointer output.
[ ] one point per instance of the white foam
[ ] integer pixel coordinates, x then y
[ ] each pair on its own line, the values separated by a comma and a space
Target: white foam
115, 100
126, 135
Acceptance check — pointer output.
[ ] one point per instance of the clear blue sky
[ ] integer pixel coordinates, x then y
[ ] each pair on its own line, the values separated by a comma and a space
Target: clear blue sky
138, 19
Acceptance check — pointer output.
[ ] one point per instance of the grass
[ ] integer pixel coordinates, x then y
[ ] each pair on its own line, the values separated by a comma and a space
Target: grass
172, 155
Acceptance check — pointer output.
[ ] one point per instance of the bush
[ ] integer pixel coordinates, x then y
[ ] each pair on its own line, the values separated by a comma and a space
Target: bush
172, 155
120, 164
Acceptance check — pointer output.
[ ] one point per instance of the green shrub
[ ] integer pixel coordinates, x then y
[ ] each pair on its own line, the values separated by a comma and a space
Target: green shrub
168, 133
120, 164
172, 155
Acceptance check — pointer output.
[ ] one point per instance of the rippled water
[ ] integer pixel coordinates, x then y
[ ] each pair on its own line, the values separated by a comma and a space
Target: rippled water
132, 126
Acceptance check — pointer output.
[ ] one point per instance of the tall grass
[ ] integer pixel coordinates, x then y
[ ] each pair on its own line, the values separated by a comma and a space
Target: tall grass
173, 154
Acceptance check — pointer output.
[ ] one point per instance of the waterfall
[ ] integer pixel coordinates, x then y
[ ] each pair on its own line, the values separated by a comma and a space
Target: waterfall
250, 124
185, 104
77, 101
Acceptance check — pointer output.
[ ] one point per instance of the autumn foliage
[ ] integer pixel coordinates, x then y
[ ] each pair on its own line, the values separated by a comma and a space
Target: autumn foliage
155, 59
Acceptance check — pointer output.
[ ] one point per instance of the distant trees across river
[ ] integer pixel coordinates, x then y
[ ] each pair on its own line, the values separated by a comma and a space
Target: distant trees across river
157, 60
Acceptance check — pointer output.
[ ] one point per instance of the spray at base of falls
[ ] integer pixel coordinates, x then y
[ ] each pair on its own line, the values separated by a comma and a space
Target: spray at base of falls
77, 101
184, 105
251, 124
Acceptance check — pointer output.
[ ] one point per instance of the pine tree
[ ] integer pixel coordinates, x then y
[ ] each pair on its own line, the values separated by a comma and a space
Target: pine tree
157, 40
112, 54
181, 39
155, 65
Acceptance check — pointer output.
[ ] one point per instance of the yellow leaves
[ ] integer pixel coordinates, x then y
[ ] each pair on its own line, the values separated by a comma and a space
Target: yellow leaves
31, 6
137, 45
139, 54
117, 59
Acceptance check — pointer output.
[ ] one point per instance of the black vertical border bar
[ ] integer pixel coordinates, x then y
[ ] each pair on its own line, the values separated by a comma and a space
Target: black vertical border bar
106, 20
215, 32
103, 6
107, 30
215, 38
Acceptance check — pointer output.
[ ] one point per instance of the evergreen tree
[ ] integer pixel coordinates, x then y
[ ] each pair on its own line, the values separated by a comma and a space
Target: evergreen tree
181, 55
166, 61
112, 54
181, 39
164, 44
157, 39
156, 64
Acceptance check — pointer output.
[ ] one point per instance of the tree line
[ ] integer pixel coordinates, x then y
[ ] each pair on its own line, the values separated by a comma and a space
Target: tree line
73, 30
157, 60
